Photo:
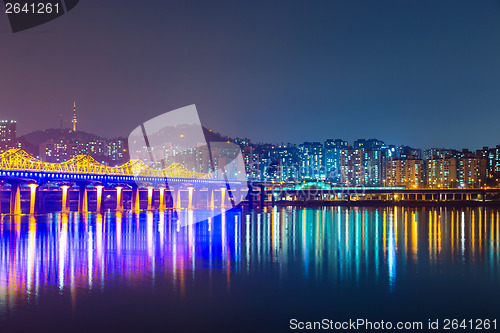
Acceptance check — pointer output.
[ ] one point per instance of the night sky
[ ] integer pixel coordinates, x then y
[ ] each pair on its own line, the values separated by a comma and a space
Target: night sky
418, 73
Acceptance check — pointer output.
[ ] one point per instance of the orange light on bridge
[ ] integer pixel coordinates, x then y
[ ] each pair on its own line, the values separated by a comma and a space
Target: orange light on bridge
65, 201
99, 189
190, 202
32, 197
119, 204
150, 197
222, 197
161, 204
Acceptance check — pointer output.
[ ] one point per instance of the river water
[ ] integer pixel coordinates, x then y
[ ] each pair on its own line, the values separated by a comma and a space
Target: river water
247, 271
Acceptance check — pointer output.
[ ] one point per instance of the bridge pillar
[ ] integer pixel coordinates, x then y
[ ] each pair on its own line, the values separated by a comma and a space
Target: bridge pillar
15, 198
161, 203
150, 198
223, 198
190, 197
135, 206
65, 199
211, 198
83, 206
119, 198
177, 199
99, 198
34, 198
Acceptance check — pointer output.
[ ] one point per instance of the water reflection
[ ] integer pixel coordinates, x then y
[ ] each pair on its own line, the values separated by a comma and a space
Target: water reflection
68, 253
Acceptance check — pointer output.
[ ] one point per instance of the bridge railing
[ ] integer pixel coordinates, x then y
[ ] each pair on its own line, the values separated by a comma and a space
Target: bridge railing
19, 160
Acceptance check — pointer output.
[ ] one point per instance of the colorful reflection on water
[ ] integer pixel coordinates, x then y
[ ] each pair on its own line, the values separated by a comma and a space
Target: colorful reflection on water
71, 254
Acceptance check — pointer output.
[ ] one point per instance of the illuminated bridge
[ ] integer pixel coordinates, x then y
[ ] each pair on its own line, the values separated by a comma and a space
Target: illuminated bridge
20, 170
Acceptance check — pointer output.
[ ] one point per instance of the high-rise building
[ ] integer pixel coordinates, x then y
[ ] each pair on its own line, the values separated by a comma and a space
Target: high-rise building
57, 151
471, 172
110, 152
352, 172
312, 161
286, 158
388, 153
495, 152
405, 172
441, 172
492, 157
361, 166
372, 159
117, 150
95, 147
265, 169
251, 158
333, 150
7, 134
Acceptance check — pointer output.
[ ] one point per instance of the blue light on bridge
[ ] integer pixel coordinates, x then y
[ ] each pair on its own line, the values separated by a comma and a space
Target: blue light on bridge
43, 176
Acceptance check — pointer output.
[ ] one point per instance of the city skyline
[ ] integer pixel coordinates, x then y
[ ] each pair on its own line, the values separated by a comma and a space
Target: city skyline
420, 75
70, 122
365, 162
